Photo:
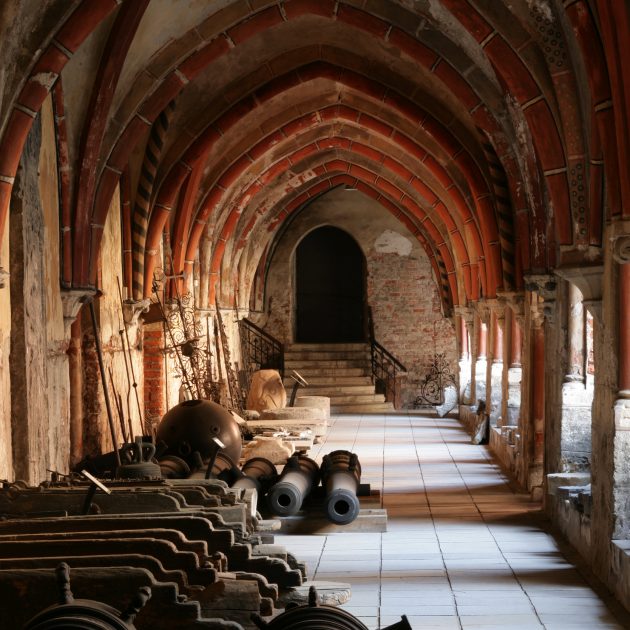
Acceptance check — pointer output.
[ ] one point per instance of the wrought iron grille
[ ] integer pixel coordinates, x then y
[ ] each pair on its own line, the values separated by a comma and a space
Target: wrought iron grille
432, 386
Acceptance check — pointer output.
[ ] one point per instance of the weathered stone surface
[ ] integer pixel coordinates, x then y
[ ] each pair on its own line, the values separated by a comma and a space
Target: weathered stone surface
450, 401
266, 391
556, 480
292, 413
274, 449
315, 402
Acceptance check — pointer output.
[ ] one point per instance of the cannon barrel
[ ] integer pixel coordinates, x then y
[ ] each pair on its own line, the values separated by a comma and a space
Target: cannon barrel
341, 475
299, 476
258, 473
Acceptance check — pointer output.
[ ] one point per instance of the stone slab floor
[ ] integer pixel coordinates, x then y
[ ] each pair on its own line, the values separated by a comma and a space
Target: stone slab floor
462, 549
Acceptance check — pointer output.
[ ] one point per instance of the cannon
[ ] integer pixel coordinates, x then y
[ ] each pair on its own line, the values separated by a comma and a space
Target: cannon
299, 476
341, 475
258, 473
315, 616
85, 614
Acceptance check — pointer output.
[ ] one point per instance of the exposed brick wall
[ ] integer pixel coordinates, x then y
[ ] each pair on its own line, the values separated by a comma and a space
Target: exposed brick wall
408, 319
154, 387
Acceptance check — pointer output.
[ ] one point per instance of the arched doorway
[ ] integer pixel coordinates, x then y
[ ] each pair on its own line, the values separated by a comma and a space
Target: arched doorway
330, 291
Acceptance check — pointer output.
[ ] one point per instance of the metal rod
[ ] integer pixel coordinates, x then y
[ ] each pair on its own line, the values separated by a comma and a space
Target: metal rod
99, 354
118, 403
188, 335
133, 374
175, 347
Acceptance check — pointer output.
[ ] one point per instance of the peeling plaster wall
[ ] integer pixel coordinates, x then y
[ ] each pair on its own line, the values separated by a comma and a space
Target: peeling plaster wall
58, 383
401, 289
39, 364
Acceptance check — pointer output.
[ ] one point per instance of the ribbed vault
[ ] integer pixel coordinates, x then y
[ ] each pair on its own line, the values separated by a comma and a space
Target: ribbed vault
462, 118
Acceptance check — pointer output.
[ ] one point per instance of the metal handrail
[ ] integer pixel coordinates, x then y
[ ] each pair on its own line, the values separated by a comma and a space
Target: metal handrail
387, 357
385, 366
259, 349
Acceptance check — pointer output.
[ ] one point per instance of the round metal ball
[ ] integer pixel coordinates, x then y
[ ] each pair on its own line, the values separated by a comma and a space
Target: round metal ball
191, 425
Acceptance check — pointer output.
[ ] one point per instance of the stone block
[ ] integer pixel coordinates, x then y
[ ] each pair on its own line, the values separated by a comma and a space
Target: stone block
315, 402
292, 413
557, 480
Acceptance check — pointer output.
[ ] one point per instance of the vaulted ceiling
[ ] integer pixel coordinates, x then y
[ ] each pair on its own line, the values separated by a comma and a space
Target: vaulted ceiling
492, 130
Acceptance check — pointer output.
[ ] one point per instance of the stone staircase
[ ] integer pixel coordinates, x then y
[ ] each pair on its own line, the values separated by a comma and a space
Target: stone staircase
340, 371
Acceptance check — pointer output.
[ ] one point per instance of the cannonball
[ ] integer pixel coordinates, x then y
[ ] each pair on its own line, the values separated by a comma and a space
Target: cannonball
191, 425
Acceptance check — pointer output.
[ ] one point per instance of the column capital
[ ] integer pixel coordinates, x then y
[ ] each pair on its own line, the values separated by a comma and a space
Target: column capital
72, 300
483, 309
466, 313
544, 284
516, 301
620, 239
4, 278
544, 302
132, 309
587, 278
621, 249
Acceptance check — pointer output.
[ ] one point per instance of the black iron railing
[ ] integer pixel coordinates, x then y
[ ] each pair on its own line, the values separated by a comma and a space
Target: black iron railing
259, 349
386, 368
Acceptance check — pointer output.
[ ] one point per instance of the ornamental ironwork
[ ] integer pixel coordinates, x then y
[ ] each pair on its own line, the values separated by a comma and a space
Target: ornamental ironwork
434, 383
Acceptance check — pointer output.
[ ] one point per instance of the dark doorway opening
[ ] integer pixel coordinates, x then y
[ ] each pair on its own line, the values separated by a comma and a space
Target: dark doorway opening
330, 276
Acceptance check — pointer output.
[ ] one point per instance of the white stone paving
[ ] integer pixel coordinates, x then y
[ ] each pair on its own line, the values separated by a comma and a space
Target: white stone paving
462, 549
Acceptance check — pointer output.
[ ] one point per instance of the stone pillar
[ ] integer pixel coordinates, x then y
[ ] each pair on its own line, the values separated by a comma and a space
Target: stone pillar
516, 341
575, 334
536, 421
481, 361
621, 472
577, 398
38, 364
466, 330
542, 385
512, 369
495, 368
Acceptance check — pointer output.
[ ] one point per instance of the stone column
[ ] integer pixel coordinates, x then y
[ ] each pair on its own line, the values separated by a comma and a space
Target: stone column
621, 472
512, 372
542, 385
72, 301
575, 335
577, 398
481, 361
495, 368
465, 332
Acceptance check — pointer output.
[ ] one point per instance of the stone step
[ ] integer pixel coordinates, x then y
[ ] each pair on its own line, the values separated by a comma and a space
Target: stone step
302, 364
326, 355
335, 389
341, 399
325, 347
336, 379
385, 407
331, 373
